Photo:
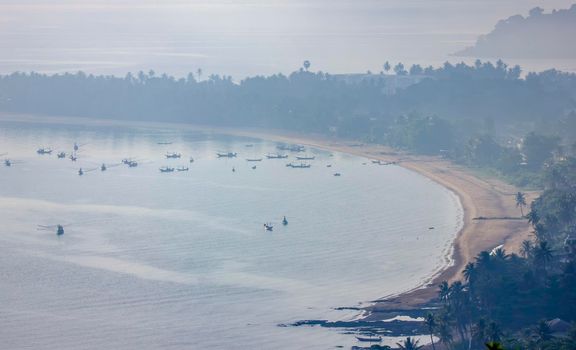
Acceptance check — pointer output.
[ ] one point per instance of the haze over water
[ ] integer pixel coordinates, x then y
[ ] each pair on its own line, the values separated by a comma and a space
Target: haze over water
178, 260
242, 38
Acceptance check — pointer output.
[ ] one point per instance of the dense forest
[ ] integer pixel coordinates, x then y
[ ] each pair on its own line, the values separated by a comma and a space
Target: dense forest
539, 35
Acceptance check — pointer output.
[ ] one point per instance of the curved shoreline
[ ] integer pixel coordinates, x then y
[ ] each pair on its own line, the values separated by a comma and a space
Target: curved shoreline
478, 197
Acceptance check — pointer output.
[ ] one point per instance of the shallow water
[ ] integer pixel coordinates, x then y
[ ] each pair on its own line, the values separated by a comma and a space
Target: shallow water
180, 260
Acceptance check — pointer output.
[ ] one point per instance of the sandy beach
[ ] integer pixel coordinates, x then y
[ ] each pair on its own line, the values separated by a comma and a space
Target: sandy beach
479, 196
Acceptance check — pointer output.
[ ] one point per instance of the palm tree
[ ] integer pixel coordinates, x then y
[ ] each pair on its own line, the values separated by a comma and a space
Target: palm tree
542, 254
521, 202
526, 249
444, 334
444, 291
469, 272
199, 73
533, 217
457, 301
409, 344
431, 323
306, 65
387, 67
500, 254
483, 261
494, 346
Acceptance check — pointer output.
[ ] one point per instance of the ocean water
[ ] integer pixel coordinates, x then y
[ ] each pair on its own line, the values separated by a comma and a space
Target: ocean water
249, 37
154, 260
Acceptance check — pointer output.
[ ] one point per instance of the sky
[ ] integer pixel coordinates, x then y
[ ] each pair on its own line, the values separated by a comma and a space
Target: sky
244, 37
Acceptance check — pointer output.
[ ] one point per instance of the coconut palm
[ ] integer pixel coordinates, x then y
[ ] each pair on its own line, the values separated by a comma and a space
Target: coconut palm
500, 254
306, 65
542, 254
533, 217
387, 67
494, 346
409, 344
469, 272
444, 291
526, 249
431, 323
483, 261
444, 334
521, 202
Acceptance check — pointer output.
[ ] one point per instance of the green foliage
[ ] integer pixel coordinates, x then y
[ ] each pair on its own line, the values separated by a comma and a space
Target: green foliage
507, 298
409, 344
425, 135
539, 149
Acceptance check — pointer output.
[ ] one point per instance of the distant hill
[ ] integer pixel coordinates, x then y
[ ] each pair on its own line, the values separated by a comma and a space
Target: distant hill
539, 35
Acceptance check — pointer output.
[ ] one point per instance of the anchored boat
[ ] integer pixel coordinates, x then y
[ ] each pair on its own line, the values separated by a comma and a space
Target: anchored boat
227, 155
276, 156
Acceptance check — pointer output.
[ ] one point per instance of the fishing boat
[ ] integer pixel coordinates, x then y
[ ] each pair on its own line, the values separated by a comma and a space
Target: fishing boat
173, 155
284, 221
268, 227
9, 162
276, 156
61, 155
166, 169
227, 155
291, 148
254, 167
299, 166
306, 158
182, 168
163, 143
44, 151
80, 172
328, 165
59, 228
373, 339
103, 167
337, 174
253, 159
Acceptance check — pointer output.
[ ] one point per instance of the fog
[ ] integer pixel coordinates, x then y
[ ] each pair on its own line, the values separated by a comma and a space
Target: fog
242, 38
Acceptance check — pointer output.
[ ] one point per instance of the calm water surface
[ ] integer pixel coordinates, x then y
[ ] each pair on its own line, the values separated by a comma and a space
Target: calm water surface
180, 260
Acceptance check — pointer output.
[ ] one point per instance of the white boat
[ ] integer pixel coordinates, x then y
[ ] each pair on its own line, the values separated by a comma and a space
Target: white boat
372, 339
277, 156
306, 158
173, 155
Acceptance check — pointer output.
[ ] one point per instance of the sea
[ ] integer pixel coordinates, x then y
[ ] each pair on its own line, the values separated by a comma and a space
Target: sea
181, 260
242, 38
